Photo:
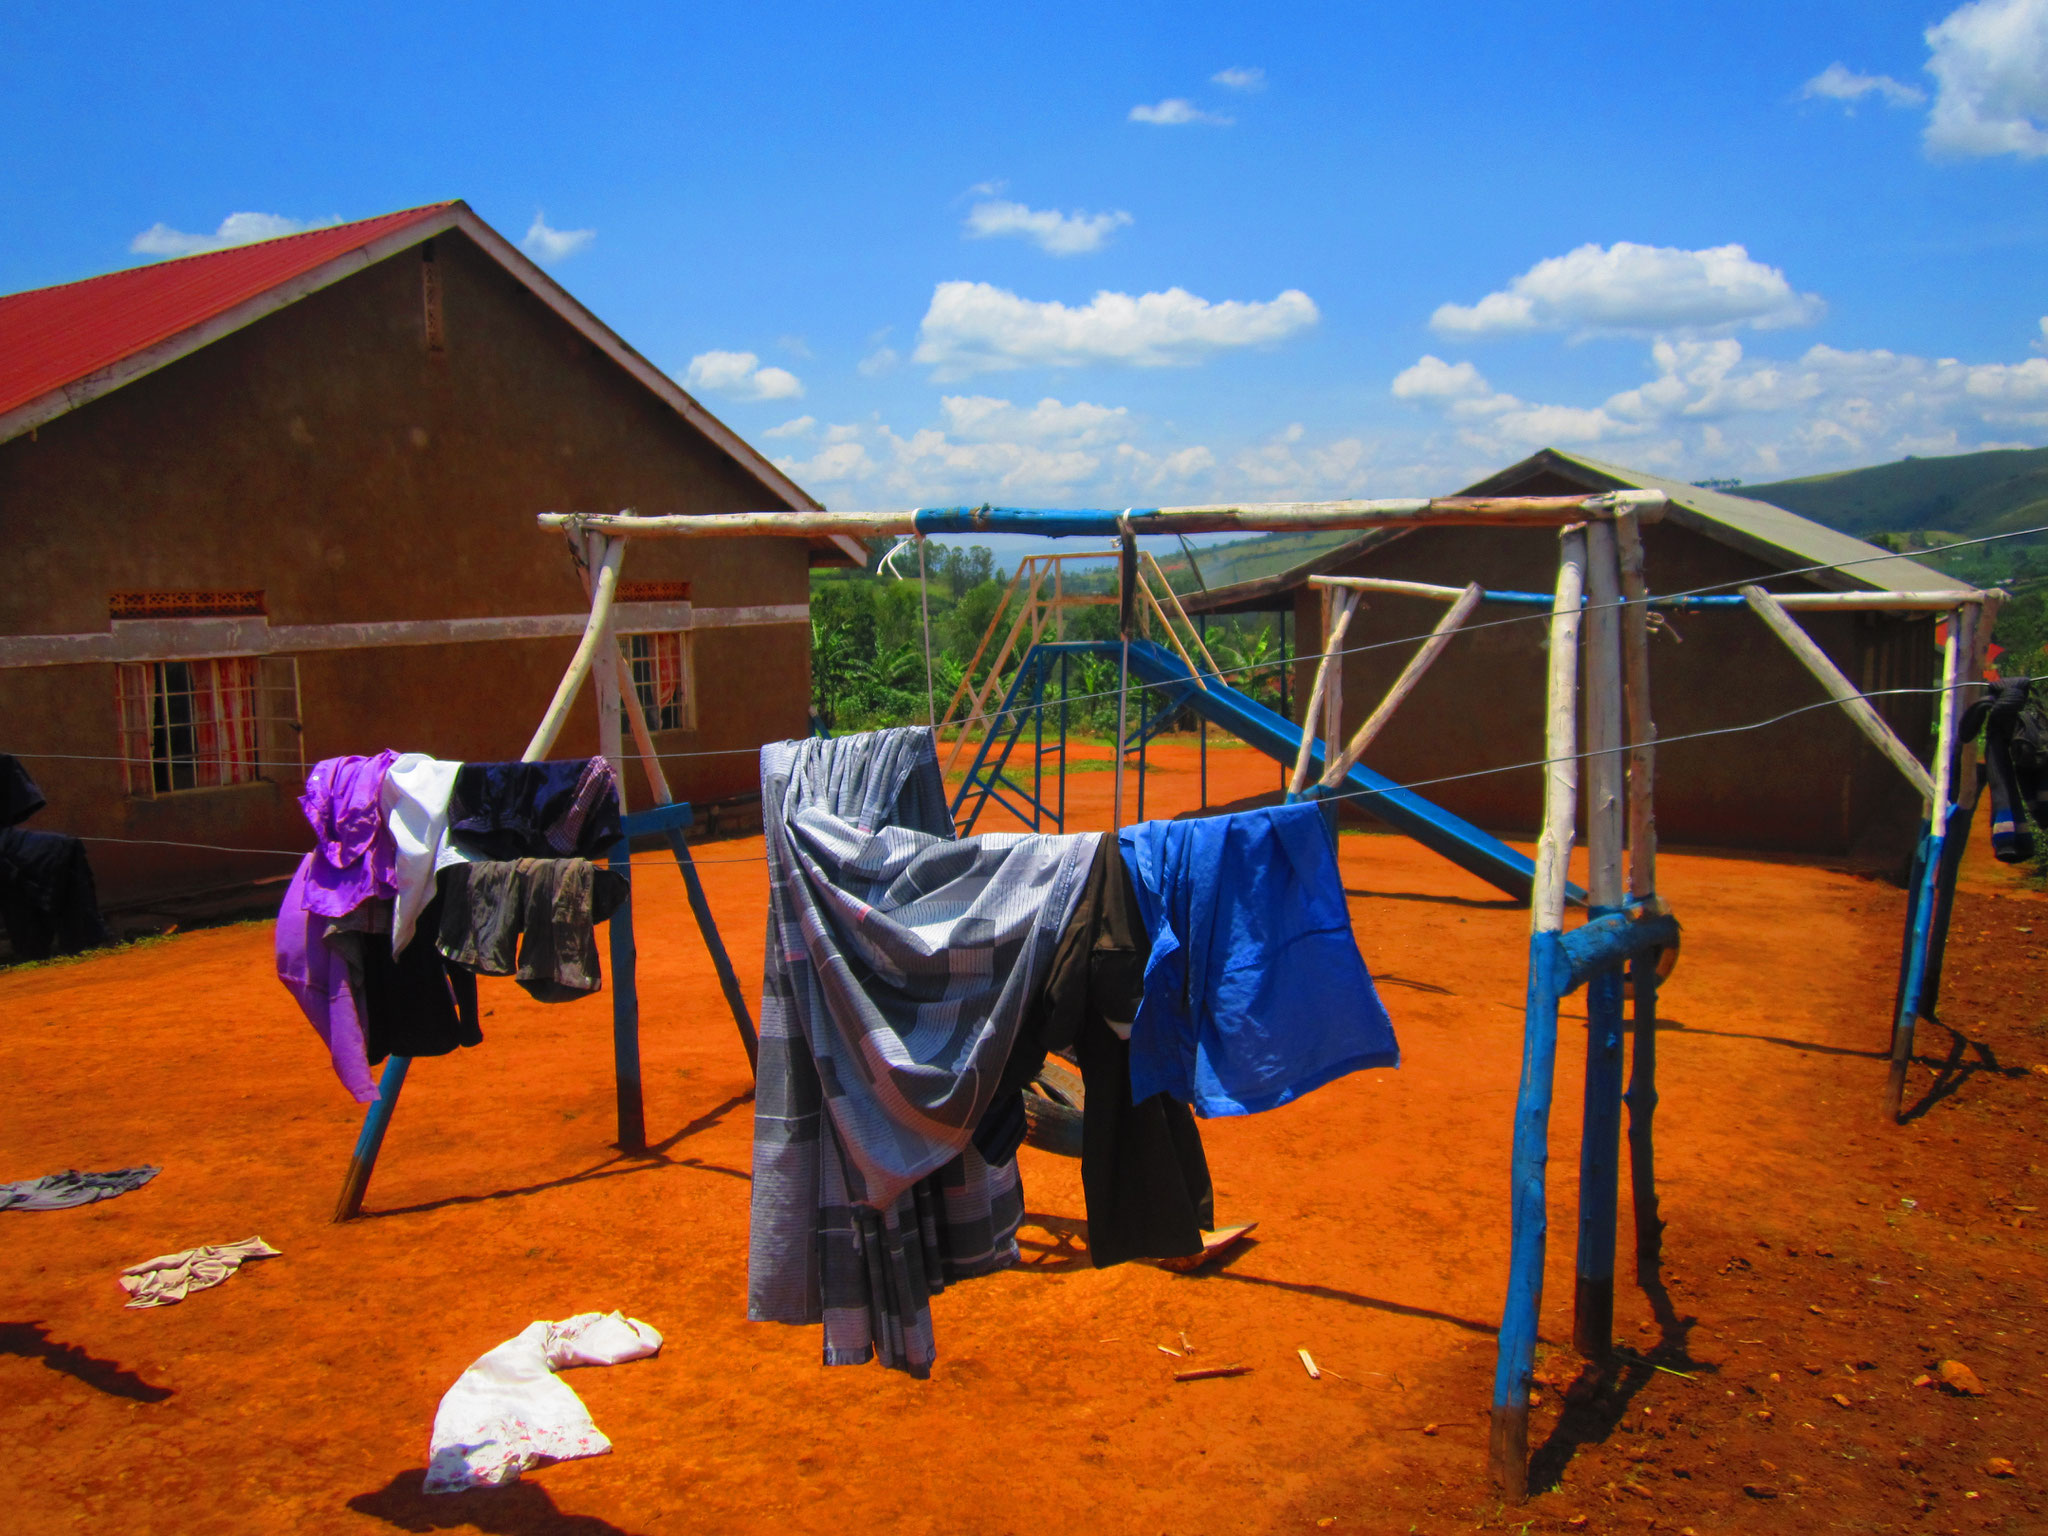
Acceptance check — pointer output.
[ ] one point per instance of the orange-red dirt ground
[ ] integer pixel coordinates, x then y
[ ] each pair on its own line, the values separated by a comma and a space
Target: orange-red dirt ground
1817, 1261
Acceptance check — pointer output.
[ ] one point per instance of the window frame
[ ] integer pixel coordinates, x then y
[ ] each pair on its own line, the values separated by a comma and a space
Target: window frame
682, 714
239, 723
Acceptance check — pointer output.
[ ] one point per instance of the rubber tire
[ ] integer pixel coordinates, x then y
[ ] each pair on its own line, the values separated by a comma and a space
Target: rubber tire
1052, 1110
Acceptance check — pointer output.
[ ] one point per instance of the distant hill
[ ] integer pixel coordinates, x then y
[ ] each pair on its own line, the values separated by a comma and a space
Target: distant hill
1967, 494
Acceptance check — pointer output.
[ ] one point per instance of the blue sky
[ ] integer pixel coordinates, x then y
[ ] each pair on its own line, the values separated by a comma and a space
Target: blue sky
1148, 254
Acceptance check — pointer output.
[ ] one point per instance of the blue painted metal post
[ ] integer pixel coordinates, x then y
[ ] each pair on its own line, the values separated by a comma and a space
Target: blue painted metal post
1600, 1139
1202, 721
1144, 735
1958, 654
626, 1010
376, 1121
1549, 974
1063, 740
1919, 927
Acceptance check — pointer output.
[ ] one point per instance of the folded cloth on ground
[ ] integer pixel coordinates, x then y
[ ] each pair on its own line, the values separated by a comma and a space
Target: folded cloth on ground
899, 965
509, 1411
172, 1277
542, 810
61, 1191
1255, 992
534, 919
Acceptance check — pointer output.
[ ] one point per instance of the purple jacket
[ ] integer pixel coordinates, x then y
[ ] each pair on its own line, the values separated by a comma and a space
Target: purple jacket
318, 978
353, 861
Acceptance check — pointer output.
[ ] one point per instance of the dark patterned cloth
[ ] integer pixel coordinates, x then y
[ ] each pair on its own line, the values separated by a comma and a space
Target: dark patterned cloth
529, 918
900, 962
61, 1191
550, 810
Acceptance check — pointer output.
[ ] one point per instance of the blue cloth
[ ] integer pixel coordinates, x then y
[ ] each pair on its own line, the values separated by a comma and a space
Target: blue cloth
1255, 992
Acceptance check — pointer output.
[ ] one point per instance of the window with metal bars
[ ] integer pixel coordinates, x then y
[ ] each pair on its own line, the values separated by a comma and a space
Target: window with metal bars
661, 666
208, 723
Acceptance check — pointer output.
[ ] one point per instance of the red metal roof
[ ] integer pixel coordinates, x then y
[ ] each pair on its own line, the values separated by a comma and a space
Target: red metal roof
51, 337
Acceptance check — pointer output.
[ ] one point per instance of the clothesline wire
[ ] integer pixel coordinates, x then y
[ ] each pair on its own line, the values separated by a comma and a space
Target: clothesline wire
1356, 794
1537, 616
1541, 614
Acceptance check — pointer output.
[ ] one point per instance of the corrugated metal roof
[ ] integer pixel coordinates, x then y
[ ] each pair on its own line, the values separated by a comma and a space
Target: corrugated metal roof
53, 337
1785, 539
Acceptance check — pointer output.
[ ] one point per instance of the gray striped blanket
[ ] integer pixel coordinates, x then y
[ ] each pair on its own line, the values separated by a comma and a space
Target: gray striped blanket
900, 963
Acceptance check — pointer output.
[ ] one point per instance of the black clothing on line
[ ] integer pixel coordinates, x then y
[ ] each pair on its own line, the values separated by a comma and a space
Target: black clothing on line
20, 797
545, 810
533, 919
416, 1004
48, 901
2015, 762
1143, 1171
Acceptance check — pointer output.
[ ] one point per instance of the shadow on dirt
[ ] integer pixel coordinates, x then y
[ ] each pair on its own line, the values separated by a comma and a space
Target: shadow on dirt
32, 1341
656, 1156
517, 1509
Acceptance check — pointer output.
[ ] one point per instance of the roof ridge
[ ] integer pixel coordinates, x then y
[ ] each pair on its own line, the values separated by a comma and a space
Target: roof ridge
166, 263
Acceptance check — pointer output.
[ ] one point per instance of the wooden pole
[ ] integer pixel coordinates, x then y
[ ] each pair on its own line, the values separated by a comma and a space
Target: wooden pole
1173, 601
370, 1139
1127, 580
1549, 974
1389, 585
1246, 517
1606, 811
967, 677
1926, 889
693, 887
1858, 708
604, 584
1337, 608
1965, 786
1418, 664
605, 672
1642, 883
990, 685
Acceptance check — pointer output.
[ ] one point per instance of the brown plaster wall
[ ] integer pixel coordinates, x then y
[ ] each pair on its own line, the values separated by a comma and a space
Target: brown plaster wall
326, 457
1810, 784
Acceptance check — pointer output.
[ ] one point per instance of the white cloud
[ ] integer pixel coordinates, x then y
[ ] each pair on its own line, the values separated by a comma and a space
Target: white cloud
1989, 60
1241, 77
1431, 378
799, 426
1055, 233
1840, 83
979, 418
878, 362
1709, 408
978, 328
235, 229
795, 346
545, 244
740, 376
1640, 288
1176, 112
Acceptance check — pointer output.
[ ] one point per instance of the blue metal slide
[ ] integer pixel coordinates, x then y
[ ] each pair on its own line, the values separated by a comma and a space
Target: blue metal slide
1154, 665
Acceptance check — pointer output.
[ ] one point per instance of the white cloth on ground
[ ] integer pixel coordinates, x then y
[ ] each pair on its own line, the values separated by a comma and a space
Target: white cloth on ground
171, 1277
509, 1411
415, 796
